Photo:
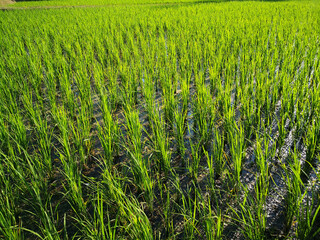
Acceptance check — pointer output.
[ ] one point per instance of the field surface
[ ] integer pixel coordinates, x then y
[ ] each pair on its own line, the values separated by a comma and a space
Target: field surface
159, 119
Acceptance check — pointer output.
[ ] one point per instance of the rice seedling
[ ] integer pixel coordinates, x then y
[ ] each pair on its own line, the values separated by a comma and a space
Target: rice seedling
39, 199
8, 223
194, 161
203, 114
294, 189
168, 102
262, 156
251, 215
43, 132
185, 91
109, 137
139, 165
167, 210
307, 217
218, 153
311, 141
129, 209
237, 146
160, 143
179, 131
213, 221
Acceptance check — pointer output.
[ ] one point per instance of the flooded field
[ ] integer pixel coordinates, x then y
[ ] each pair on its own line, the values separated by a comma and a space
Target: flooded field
160, 120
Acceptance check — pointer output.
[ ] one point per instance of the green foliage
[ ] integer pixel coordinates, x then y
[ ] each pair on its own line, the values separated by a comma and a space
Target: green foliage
157, 119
